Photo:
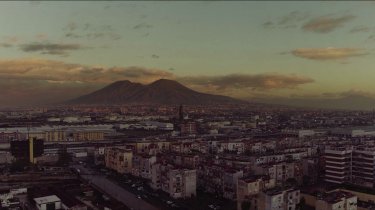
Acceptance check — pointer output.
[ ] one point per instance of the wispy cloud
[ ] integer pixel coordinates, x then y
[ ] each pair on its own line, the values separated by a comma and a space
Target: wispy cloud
326, 24
290, 20
71, 26
5, 45
74, 30
9, 41
33, 81
371, 37
50, 48
328, 53
359, 29
254, 82
142, 26
268, 24
38, 69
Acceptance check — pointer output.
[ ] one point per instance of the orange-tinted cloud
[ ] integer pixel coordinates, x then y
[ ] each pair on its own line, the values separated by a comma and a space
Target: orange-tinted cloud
326, 24
36, 81
254, 82
58, 71
328, 53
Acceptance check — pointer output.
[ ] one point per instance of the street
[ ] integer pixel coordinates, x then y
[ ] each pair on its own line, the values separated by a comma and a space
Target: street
114, 190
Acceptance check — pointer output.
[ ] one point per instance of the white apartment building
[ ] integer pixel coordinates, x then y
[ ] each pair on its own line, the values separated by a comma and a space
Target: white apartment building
276, 199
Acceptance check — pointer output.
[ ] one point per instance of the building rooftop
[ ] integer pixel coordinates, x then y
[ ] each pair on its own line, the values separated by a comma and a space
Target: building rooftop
336, 196
47, 199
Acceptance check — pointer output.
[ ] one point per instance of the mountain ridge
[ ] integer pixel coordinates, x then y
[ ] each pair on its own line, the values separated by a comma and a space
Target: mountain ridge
162, 91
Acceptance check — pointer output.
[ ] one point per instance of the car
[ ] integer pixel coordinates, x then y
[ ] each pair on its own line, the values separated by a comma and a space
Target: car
211, 206
169, 202
139, 197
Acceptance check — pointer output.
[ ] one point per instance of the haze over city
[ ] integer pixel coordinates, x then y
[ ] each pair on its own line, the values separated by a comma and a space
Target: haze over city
276, 52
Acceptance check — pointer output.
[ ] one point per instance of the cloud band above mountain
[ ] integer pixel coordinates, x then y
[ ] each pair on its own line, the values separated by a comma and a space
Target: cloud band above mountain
255, 82
328, 53
41, 78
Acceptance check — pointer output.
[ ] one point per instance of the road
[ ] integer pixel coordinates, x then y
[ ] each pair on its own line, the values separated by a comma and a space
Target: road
113, 190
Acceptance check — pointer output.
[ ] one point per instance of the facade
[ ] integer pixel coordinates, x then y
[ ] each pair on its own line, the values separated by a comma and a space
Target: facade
178, 183
230, 181
310, 168
355, 165
119, 159
58, 133
338, 165
142, 165
363, 166
336, 200
151, 148
249, 188
277, 199
51, 202
281, 171
188, 128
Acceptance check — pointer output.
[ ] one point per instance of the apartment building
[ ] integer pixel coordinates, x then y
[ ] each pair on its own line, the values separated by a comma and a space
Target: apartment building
142, 165
249, 188
336, 200
177, 182
355, 165
185, 160
278, 199
119, 159
338, 165
210, 177
282, 171
182, 183
232, 146
363, 166
230, 181
151, 147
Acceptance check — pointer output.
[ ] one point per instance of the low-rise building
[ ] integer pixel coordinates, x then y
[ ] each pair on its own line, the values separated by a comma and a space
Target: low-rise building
278, 199
119, 159
51, 202
178, 183
336, 200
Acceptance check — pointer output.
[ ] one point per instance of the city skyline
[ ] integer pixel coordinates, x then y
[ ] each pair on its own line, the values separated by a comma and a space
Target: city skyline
55, 51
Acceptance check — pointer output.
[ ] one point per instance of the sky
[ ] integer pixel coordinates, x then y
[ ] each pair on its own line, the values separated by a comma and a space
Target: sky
54, 51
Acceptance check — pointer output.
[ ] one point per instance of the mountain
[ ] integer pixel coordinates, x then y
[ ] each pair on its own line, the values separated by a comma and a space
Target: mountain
162, 91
